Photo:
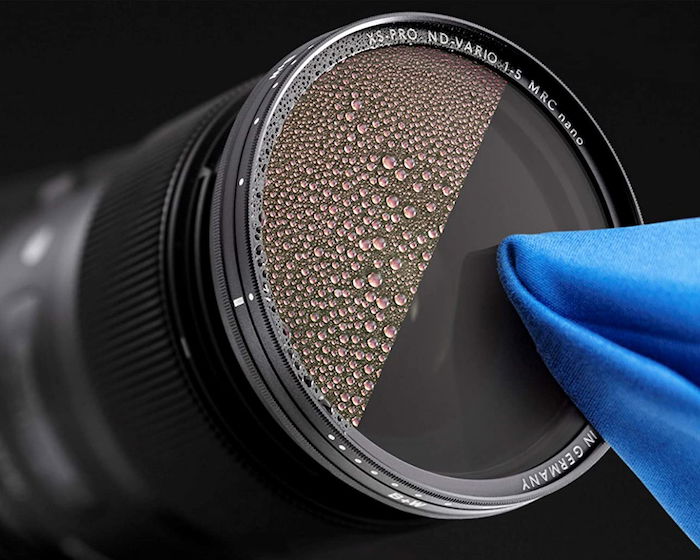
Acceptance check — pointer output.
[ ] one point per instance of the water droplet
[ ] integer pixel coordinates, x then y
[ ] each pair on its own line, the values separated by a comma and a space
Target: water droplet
409, 211
389, 162
379, 243
375, 279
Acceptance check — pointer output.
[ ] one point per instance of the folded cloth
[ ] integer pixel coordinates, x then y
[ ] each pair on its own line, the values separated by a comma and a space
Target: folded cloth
615, 315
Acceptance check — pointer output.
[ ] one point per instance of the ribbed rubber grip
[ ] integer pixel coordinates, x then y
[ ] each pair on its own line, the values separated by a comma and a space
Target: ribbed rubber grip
132, 350
127, 334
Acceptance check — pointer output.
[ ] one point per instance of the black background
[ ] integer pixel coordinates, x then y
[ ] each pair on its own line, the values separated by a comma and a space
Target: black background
79, 78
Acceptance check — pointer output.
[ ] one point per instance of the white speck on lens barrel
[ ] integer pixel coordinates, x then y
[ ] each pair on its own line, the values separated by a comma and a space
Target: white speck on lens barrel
362, 176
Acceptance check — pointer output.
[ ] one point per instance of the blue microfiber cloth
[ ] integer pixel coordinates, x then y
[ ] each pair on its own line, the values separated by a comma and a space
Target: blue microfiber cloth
615, 315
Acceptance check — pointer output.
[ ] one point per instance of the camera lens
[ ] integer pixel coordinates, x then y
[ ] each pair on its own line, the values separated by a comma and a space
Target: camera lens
285, 303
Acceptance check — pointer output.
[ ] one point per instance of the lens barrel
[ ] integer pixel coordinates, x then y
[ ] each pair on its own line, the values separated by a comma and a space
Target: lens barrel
223, 332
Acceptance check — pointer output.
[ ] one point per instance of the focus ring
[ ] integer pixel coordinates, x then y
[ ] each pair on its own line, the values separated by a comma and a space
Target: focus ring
129, 338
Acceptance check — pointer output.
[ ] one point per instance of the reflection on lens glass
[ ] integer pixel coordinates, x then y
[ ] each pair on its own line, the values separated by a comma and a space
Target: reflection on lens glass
391, 182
